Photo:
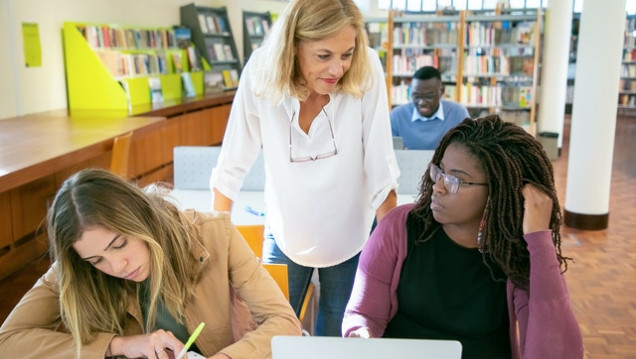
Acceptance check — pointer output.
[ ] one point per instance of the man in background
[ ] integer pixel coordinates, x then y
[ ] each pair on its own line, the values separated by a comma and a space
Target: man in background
425, 120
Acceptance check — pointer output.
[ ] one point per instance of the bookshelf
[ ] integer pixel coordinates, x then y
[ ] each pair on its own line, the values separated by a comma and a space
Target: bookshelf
111, 67
499, 65
489, 62
380, 38
425, 40
627, 87
211, 32
256, 26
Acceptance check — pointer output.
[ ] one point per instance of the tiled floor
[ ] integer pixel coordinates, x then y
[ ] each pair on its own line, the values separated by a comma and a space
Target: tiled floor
602, 280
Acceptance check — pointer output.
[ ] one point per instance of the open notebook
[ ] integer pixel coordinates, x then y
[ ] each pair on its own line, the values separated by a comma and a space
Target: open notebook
287, 347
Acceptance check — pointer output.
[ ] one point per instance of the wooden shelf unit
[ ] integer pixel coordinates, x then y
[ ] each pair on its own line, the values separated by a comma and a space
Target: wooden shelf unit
482, 58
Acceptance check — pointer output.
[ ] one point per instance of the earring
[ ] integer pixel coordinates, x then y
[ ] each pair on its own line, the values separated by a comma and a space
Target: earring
480, 232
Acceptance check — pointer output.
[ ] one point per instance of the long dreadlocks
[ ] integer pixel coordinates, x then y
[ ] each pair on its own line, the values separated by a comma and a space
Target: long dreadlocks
511, 158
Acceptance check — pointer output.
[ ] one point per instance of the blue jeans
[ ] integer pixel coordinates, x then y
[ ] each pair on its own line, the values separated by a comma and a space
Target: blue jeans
336, 283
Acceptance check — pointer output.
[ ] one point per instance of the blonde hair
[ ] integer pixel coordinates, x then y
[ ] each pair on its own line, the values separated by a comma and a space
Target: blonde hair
278, 72
92, 301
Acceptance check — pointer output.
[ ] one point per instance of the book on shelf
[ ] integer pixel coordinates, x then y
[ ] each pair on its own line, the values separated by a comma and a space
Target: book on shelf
193, 59
187, 84
212, 82
265, 26
156, 96
220, 24
219, 51
227, 52
227, 79
203, 24
183, 36
211, 24
176, 59
234, 77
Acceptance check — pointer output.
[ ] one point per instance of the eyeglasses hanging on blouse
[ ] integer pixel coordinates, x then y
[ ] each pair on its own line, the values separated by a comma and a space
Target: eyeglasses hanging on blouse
319, 156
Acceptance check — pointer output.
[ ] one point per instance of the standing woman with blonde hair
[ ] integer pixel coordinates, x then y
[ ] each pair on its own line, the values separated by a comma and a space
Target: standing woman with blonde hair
314, 99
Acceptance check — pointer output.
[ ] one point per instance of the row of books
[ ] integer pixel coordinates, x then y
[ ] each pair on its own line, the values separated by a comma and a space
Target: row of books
407, 65
628, 70
214, 81
488, 34
496, 96
220, 52
498, 65
629, 55
477, 34
256, 26
125, 38
378, 34
139, 64
476, 96
630, 33
212, 23
627, 100
218, 80
627, 84
426, 34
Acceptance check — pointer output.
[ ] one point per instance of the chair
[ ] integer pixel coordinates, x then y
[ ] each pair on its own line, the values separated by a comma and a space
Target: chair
280, 275
120, 155
253, 235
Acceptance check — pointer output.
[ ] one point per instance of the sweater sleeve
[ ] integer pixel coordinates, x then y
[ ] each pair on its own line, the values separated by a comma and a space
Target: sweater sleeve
36, 319
547, 326
373, 300
266, 302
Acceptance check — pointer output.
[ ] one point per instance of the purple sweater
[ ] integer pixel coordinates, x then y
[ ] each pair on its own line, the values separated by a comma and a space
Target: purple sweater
547, 326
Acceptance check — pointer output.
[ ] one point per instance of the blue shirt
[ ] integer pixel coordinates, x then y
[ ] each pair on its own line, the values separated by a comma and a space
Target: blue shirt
421, 133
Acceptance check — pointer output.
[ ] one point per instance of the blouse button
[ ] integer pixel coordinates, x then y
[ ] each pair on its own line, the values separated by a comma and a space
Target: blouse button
201, 259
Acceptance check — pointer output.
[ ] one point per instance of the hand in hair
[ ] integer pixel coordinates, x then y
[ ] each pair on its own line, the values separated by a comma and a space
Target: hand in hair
537, 209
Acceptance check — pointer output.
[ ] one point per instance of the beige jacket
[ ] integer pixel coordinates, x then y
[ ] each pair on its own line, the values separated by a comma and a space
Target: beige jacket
223, 259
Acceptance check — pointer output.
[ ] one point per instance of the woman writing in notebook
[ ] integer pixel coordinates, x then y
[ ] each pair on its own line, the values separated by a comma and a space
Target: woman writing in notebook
313, 98
133, 276
477, 257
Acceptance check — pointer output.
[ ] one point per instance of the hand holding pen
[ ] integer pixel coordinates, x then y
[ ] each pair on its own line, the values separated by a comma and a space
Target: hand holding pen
159, 344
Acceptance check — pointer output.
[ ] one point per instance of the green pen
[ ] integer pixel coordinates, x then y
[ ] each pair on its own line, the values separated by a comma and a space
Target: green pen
191, 340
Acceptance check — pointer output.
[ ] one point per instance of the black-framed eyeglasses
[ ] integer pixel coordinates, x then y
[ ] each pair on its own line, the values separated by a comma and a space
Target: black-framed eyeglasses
317, 157
425, 97
451, 182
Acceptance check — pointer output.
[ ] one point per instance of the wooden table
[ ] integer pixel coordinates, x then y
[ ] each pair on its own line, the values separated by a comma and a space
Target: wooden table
37, 152
34, 146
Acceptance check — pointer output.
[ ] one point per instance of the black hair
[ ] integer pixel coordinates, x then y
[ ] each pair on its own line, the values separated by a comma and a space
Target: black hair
511, 158
427, 72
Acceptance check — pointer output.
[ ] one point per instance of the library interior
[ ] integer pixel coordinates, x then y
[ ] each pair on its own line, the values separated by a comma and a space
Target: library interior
145, 89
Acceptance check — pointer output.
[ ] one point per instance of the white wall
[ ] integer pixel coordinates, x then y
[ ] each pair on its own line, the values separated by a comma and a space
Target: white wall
31, 90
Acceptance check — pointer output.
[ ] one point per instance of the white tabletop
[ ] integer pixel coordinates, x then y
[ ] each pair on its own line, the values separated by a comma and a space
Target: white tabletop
249, 207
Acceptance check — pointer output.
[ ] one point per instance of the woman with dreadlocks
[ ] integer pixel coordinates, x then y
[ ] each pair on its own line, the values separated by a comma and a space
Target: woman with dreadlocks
477, 258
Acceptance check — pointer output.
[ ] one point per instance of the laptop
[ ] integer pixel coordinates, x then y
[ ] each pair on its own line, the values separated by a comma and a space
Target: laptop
398, 143
307, 347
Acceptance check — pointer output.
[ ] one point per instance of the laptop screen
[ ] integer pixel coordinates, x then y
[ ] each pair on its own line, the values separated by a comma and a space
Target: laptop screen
288, 347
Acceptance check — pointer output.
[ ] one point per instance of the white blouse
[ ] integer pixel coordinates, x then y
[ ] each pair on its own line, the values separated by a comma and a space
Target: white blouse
319, 211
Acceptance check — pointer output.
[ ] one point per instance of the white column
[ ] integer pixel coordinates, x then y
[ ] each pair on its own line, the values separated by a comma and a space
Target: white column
554, 69
594, 114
